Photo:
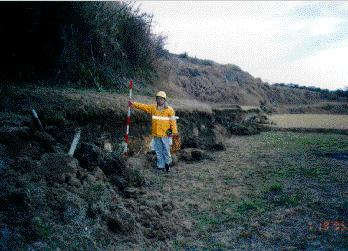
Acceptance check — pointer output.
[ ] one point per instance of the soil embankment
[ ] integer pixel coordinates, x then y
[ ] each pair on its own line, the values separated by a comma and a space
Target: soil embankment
101, 116
93, 200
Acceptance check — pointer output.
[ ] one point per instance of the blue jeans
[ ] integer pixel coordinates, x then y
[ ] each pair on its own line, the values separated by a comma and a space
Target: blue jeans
162, 149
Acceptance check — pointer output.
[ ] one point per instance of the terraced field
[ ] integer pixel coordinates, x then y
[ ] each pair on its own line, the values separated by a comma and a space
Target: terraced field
327, 121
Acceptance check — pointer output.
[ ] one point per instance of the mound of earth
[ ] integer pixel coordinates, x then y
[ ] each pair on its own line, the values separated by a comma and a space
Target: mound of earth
52, 200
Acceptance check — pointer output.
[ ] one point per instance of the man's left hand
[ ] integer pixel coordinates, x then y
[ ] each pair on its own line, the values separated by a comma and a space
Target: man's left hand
169, 132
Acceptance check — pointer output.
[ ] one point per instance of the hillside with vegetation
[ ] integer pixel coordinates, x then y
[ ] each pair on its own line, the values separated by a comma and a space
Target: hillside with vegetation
101, 45
211, 82
76, 44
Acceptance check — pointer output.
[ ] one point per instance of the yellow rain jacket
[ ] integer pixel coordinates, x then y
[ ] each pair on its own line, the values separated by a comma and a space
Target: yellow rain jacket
162, 120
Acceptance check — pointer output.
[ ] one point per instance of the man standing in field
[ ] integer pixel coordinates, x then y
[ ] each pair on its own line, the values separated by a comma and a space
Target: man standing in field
163, 128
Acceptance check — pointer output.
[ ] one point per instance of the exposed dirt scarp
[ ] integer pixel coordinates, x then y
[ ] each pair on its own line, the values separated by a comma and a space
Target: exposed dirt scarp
97, 199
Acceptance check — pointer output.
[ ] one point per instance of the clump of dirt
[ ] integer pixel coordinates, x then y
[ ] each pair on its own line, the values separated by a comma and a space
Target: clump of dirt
193, 155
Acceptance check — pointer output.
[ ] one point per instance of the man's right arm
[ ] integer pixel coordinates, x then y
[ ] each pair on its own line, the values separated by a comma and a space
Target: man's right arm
143, 107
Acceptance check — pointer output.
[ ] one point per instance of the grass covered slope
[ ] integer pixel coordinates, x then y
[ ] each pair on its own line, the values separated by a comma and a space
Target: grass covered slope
58, 104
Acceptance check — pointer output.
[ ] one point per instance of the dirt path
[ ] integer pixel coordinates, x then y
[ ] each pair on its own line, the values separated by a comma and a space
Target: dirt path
263, 192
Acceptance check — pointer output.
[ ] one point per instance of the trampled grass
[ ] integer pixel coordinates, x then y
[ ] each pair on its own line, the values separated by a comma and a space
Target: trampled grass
265, 192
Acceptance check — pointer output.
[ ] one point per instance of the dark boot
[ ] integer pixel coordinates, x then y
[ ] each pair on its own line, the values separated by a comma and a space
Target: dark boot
167, 167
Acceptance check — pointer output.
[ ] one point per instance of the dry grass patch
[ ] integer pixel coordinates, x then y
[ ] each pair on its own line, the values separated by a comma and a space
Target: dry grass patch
249, 107
310, 121
92, 102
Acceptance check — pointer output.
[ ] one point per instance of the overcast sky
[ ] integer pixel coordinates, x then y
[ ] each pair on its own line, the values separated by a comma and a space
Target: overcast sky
298, 42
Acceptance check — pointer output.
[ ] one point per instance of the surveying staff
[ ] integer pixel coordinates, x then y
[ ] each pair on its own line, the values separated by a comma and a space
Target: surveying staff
163, 127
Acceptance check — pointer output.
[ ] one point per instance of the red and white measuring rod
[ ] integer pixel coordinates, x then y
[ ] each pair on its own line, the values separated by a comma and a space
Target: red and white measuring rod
128, 117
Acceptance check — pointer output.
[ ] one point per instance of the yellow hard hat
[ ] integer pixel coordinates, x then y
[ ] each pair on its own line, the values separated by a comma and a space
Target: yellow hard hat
161, 94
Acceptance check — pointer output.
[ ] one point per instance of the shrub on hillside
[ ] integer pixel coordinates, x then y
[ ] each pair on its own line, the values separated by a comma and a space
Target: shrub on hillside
183, 55
196, 60
85, 43
324, 93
